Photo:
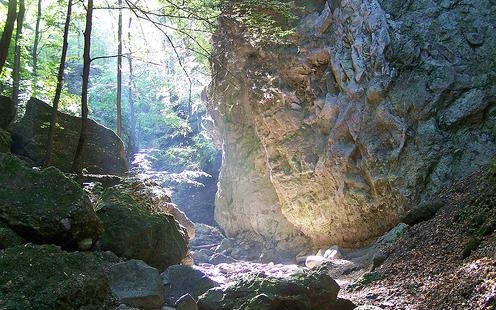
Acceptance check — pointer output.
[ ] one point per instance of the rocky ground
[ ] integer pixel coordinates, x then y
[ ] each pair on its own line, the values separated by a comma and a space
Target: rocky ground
446, 262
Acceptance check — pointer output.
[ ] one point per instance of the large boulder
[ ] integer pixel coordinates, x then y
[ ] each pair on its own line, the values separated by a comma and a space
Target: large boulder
7, 112
104, 151
323, 135
45, 277
136, 284
134, 229
301, 291
46, 206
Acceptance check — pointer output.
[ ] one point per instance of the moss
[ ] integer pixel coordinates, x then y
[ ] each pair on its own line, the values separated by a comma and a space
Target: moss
8, 237
45, 206
305, 290
365, 280
45, 277
471, 246
134, 230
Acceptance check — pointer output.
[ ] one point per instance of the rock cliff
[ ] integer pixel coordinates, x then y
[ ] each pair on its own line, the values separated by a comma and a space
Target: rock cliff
371, 108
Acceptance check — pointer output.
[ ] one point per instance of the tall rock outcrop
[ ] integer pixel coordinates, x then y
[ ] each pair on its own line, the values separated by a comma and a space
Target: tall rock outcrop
373, 107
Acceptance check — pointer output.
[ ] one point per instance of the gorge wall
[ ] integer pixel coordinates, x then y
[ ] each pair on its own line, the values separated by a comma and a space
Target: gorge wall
372, 108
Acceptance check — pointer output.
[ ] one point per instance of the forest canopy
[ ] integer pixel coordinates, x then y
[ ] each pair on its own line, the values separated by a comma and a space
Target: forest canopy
162, 57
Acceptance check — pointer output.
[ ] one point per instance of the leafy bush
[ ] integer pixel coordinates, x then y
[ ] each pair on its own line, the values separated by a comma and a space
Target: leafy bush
269, 21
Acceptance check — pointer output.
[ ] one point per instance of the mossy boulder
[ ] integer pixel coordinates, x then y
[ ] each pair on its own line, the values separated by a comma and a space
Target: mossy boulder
301, 291
104, 151
7, 112
46, 277
5, 141
134, 231
46, 206
8, 237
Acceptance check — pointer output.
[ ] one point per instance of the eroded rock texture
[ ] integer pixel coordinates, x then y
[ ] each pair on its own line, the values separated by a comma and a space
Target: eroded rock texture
375, 106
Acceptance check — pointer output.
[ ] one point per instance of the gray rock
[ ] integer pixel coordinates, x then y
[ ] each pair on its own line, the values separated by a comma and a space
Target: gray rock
202, 256
377, 260
334, 252
104, 152
392, 235
368, 308
180, 280
219, 258
226, 245
136, 284
423, 212
474, 38
471, 103
186, 302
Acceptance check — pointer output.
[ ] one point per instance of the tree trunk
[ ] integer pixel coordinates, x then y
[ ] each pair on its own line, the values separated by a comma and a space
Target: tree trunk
132, 146
78, 157
119, 73
60, 84
16, 71
7, 32
35, 48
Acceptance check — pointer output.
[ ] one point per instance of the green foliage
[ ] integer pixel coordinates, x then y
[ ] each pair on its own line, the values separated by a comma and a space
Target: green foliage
492, 171
471, 246
365, 280
269, 22
168, 109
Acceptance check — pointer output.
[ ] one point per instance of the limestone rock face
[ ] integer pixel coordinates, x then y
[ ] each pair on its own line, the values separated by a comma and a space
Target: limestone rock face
104, 152
134, 231
46, 206
373, 107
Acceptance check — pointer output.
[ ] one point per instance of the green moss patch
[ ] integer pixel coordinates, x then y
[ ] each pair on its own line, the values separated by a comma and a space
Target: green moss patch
46, 277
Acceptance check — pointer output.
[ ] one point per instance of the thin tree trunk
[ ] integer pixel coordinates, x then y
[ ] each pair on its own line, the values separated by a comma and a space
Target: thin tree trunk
119, 74
7, 32
60, 84
16, 71
78, 157
132, 135
35, 47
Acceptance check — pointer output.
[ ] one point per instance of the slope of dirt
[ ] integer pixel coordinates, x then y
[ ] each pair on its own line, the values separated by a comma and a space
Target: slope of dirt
448, 262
